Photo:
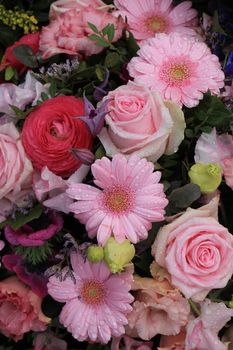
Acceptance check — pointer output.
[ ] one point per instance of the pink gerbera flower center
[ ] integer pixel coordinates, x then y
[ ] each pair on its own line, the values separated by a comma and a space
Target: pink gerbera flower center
176, 73
118, 199
156, 24
93, 292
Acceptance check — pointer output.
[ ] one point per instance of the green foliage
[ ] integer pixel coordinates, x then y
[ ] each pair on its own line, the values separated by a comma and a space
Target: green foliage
25, 55
182, 198
23, 219
35, 255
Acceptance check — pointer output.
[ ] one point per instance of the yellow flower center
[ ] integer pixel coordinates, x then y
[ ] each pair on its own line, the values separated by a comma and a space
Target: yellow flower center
156, 24
178, 72
92, 292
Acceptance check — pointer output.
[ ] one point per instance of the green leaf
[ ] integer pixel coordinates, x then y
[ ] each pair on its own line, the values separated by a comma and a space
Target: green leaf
44, 96
20, 114
189, 133
25, 55
93, 27
53, 88
100, 152
132, 45
94, 37
111, 32
22, 219
100, 73
182, 198
9, 73
35, 255
112, 59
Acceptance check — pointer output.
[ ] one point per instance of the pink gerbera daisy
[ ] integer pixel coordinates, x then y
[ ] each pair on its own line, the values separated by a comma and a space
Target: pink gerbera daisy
180, 67
97, 301
130, 200
146, 18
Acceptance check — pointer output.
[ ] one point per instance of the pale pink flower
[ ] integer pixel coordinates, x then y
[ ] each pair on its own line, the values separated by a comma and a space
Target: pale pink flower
158, 308
130, 200
216, 148
202, 332
50, 189
61, 6
96, 302
147, 18
180, 67
69, 32
140, 122
196, 250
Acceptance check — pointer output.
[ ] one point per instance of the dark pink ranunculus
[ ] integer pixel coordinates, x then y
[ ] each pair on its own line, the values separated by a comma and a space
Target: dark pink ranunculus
26, 237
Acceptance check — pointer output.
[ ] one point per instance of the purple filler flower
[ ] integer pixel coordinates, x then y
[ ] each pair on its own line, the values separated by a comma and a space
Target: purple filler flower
37, 281
26, 237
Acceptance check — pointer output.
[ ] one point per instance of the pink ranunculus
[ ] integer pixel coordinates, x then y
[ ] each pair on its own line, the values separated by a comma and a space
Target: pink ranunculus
47, 341
50, 189
20, 310
172, 342
158, 309
69, 32
140, 122
61, 6
196, 250
15, 167
26, 237
202, 332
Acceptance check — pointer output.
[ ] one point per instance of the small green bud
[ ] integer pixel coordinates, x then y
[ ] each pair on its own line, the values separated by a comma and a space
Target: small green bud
95, 253
230, 304
207, 176
118, 255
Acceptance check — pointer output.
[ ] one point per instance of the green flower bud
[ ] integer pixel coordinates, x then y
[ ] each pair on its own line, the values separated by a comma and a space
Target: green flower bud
95, 253
230, 304
207, 176
118, 255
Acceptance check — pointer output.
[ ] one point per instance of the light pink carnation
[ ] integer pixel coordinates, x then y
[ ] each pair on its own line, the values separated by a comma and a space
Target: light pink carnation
50, 189
180, 67
216, 148
202, 332
158, 309
69, 32
62, 6
130, 200
196, 250
140, 122
15, 167
147, 18
97, 302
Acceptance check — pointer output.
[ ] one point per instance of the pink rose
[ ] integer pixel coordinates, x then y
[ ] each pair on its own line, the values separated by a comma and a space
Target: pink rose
15, 167
140, 122
202, 332
20, 310
69, 32
196, 250
158, 309
62, 6
47, 341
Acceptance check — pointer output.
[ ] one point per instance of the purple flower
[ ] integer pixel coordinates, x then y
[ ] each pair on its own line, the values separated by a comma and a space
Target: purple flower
94, 117
37, 281
26, 237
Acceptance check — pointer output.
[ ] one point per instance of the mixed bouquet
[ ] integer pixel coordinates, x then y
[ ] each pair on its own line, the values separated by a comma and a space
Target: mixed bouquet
116, 175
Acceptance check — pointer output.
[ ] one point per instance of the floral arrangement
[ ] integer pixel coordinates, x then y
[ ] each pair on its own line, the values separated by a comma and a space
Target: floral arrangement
116, 175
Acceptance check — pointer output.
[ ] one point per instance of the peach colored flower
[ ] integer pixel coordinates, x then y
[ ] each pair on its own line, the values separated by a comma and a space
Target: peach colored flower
172, 342
69, 32
196, 250
20, 310
140, 122
158, 309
